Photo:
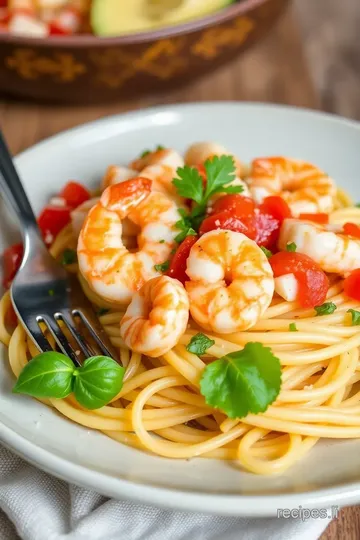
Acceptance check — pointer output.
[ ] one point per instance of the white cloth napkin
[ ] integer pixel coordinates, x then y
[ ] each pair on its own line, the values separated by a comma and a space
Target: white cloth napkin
37, 506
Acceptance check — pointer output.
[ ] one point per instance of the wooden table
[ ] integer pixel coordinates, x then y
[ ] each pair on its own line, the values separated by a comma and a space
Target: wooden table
311, 60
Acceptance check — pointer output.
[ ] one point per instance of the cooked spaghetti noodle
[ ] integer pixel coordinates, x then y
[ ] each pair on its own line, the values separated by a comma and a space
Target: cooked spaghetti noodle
160, 408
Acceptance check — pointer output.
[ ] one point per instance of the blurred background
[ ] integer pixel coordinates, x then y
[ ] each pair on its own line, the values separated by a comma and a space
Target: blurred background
298, 52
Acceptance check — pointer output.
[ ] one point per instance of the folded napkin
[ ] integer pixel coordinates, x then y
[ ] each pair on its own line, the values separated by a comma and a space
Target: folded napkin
37, 506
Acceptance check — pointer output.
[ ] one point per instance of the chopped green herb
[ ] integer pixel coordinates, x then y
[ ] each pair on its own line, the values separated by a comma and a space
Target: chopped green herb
159, 147
161, 241
51, 292
267, 252
220, 172
357, 205
173, 251
292, 327
145, 153
102, 311
162, 267
291, 246
199, 344
325, 309
355, 317
242, 382
69, 257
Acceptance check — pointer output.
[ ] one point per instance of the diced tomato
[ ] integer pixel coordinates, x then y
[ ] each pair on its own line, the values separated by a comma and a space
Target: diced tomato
178, 262
3, 3
352, 285
267, 229
235, 203
352, 230
12, 258
230, 222
321, 218
313, 282
74, 194
276, 207
57, 30
52, 220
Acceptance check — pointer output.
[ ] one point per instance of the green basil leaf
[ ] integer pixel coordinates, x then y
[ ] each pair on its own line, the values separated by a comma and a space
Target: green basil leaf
102, 311
97, 381
242, 382
292, 327
199, 344
325, 309
47, 375
355, 316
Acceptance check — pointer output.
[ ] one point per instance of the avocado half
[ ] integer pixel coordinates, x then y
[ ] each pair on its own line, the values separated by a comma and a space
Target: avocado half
117, 17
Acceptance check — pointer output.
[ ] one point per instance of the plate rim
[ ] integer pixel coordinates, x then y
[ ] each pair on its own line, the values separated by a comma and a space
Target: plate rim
176, 498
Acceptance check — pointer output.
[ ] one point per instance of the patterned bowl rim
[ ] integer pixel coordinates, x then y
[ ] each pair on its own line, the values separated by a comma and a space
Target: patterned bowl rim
80, 41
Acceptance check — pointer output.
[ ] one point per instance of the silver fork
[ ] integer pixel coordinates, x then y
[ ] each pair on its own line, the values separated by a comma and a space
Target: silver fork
42, 291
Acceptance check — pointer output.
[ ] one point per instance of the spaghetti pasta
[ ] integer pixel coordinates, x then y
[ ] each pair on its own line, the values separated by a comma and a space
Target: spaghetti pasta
160, 408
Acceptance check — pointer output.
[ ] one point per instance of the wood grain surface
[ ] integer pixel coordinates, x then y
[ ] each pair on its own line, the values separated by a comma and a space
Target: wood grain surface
311, 59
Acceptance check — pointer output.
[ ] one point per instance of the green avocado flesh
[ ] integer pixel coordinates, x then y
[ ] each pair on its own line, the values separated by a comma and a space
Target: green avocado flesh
117, 17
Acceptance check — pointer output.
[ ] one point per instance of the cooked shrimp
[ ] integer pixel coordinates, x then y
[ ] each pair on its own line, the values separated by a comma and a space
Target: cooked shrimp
303, 186
109, 268
156, 317
197, 153
164, 156
162, 177
78, 216
231, 282
334, 252
115, 174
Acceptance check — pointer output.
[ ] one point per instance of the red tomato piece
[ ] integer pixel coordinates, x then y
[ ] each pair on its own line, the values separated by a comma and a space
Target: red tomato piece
267, 229
177, 269
235, 203
313, 282
3, 3
323, 219
74, 194
57, 30
12, 258
52, 220
276, 207
230, 222
352, 230
352, 285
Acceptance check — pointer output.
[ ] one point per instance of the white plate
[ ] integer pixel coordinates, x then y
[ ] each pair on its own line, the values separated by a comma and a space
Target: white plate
330, 474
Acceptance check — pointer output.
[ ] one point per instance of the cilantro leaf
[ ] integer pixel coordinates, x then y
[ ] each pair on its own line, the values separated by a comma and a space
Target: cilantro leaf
291, 246
162, 267
159, 147
220, 171
267, 252
69, 257
145, 153
242, 382
199, 344
325, 309
232, 189
292, 327
355, 316
189, 183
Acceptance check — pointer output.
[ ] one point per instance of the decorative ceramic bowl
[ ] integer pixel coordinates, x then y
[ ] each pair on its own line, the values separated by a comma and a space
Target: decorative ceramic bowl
86, 68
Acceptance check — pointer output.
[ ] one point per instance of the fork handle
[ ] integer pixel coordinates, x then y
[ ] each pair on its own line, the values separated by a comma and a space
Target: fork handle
12, 188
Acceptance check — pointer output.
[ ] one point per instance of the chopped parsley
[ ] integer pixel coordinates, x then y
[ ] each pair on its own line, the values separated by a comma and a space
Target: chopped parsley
199, 344
291, 246
292, 327
266, 251
69, 257
162, 267
355, 317
325, 309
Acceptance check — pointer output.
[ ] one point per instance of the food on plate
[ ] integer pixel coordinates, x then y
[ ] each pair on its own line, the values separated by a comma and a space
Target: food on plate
42, 18
232, 293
